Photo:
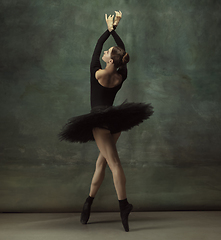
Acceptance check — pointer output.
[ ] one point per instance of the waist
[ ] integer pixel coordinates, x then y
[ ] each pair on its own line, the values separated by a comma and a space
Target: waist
99, 108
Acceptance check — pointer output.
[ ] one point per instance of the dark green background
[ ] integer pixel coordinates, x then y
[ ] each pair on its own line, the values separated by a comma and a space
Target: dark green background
171, 161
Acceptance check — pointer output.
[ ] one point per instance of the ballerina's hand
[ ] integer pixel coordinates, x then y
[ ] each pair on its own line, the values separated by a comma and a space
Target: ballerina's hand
109, 21
117, 18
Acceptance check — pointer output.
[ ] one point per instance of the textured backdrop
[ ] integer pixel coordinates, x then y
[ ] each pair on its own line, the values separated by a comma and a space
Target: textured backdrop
171, 161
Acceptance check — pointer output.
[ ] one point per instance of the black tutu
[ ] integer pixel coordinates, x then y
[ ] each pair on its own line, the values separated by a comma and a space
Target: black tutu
114, 118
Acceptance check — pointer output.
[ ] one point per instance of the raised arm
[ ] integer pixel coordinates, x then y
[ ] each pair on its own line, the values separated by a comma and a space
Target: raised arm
95, 61
119, 42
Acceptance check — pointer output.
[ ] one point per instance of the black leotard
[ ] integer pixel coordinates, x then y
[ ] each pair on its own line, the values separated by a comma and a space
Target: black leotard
103, 115
100, 95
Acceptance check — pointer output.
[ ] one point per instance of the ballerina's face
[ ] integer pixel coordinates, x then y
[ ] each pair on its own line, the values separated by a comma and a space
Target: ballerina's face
107, 55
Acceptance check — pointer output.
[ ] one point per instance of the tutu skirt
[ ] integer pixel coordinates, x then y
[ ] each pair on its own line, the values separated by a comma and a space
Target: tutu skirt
114, 118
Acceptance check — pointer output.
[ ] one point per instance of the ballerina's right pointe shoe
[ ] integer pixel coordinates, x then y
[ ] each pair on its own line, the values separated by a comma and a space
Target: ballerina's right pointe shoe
124, 216
85, 214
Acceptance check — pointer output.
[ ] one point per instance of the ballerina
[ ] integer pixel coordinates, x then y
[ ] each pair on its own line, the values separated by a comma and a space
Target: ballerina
105, 122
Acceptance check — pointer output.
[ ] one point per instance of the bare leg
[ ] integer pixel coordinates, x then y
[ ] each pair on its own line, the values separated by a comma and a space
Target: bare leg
100, 171
108, 154
106, 144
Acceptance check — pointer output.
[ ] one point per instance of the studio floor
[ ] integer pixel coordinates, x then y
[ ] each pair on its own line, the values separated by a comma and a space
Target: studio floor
177, 225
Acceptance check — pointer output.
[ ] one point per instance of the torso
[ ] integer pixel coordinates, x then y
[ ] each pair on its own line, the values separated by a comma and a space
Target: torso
104, 87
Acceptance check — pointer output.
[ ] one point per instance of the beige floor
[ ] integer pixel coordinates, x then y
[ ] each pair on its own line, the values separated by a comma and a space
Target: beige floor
146, 225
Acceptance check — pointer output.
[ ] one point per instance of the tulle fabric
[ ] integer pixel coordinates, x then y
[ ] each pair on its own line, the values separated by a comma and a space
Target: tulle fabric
114, 118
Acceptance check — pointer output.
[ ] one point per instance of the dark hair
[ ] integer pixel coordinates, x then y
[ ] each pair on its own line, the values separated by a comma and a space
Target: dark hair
119, 56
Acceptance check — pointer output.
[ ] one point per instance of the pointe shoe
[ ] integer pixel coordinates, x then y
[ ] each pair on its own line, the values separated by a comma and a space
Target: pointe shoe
124, 216
85, 214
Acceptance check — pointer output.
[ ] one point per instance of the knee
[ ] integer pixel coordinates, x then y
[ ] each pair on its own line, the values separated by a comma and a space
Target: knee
101, 162
101, 166
114, 164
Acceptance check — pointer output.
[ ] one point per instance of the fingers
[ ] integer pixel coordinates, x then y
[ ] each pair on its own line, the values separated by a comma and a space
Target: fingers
118, 13
117, 18
110, 17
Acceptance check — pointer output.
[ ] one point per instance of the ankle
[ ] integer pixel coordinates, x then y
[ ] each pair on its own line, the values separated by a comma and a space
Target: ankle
123, 203
90, 199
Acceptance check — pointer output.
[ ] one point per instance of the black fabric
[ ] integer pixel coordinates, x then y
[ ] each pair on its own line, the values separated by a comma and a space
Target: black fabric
102, 95
124, 214
103, 114
123, 203
114, 118
90, 199
85, 214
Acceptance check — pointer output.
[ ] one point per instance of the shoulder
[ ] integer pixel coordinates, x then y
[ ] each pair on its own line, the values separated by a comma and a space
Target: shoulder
100, 73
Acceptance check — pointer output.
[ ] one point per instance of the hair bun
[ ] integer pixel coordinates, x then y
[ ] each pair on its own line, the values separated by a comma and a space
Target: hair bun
125, 58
